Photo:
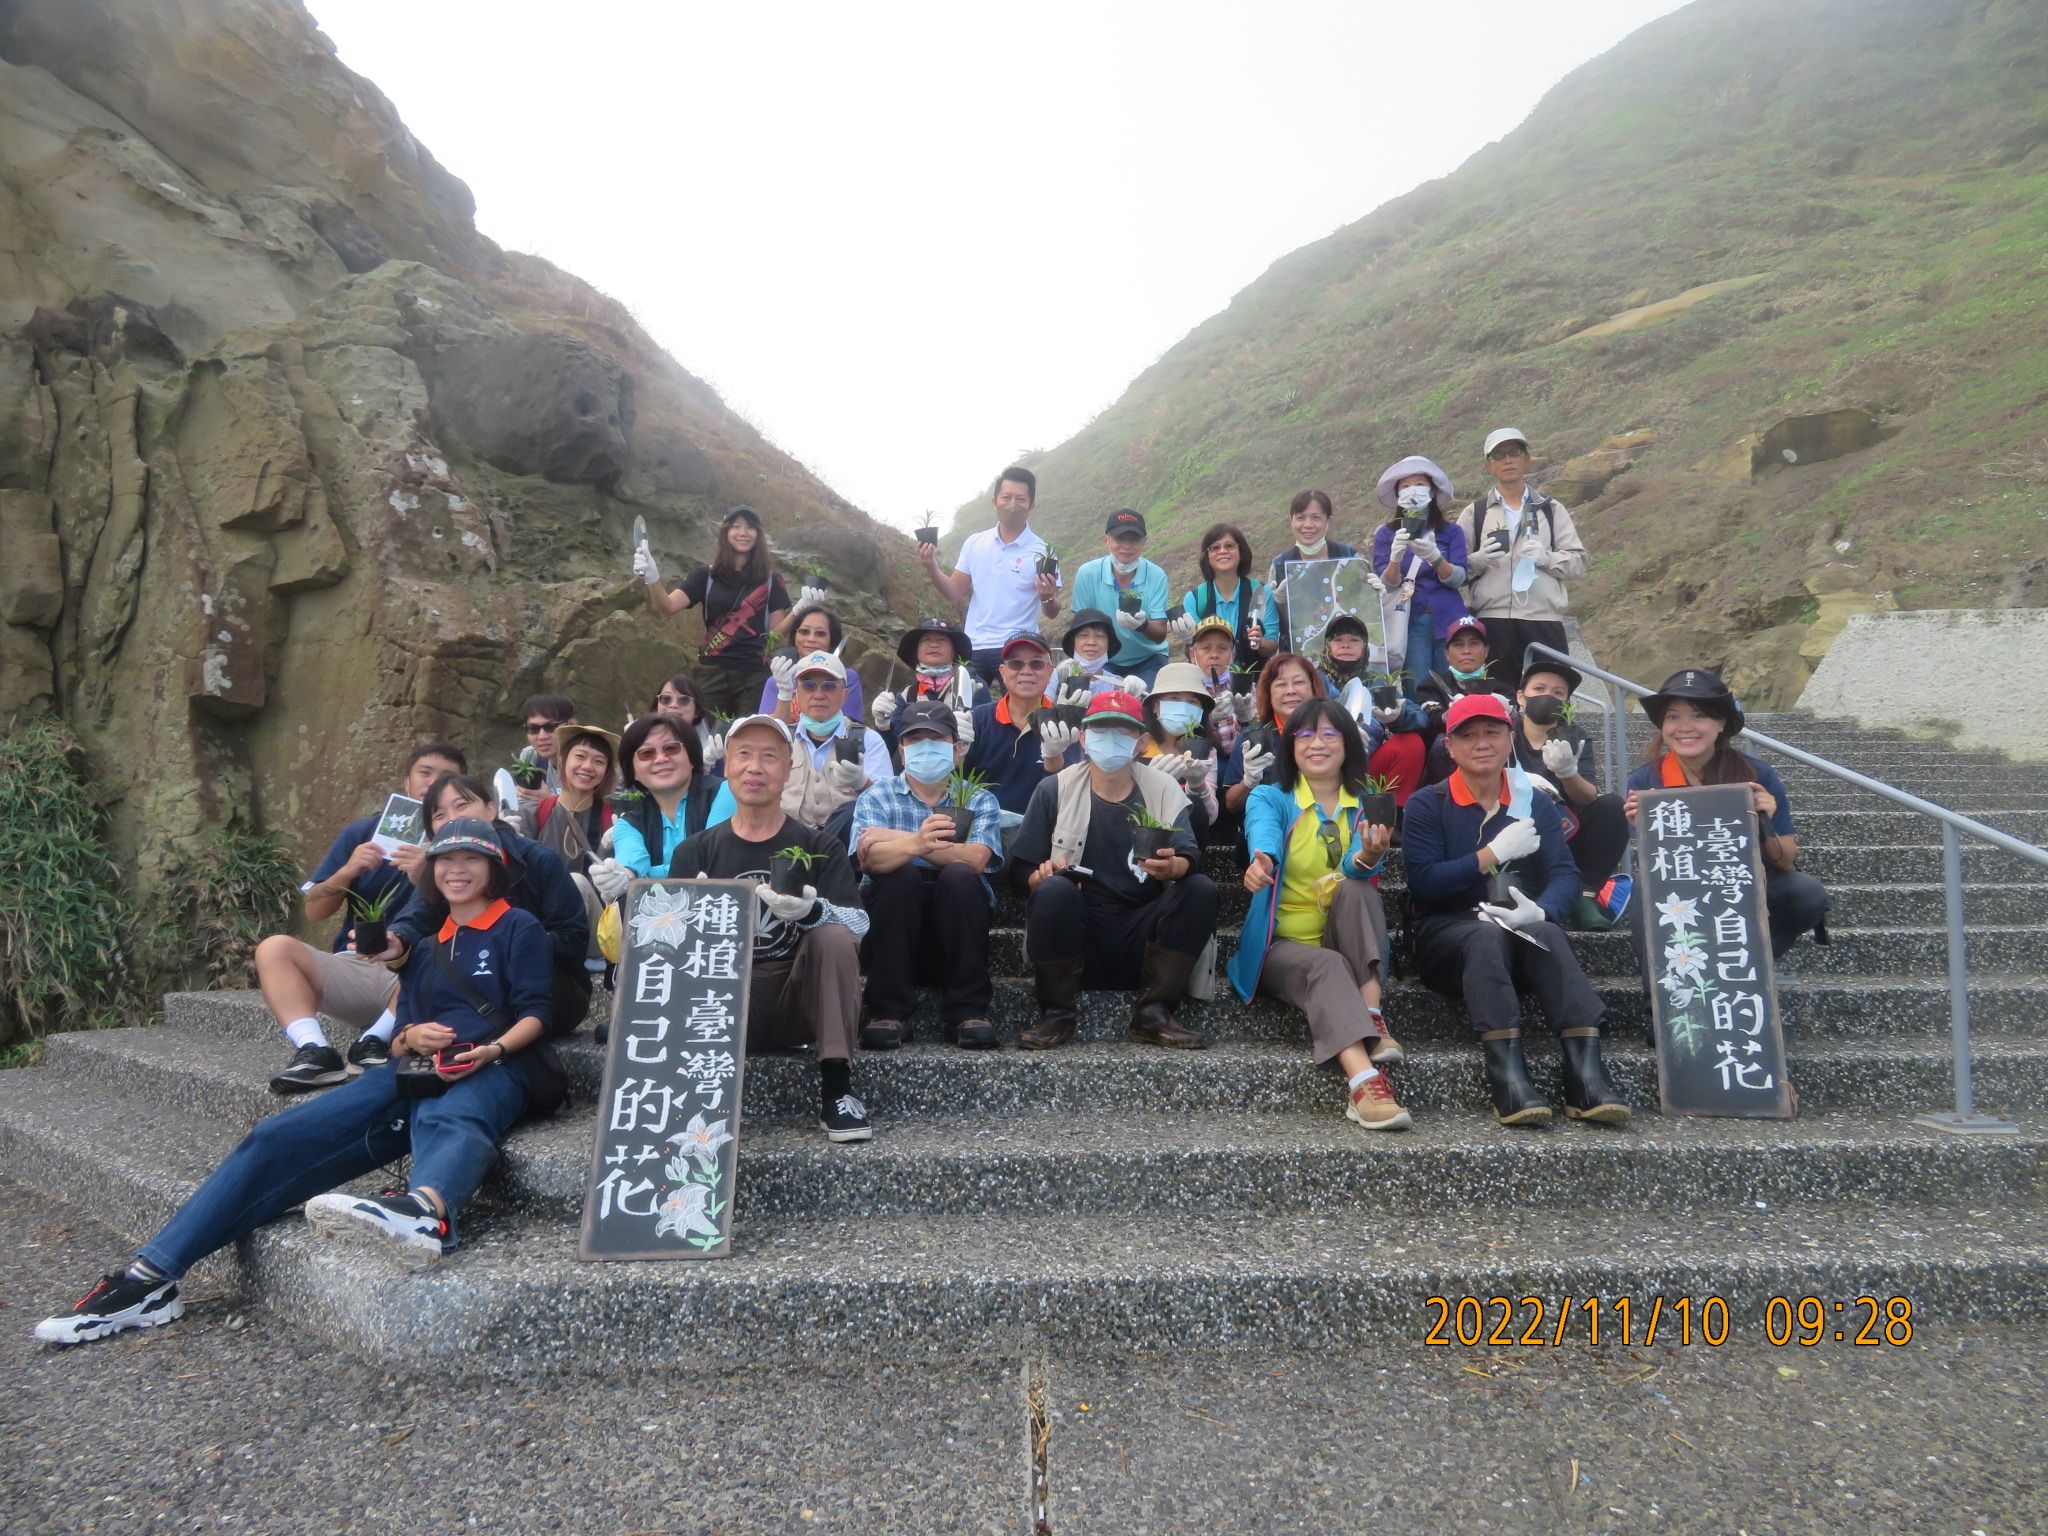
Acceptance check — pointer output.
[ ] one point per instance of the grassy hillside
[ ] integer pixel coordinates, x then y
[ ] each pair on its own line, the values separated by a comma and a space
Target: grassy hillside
1860, 186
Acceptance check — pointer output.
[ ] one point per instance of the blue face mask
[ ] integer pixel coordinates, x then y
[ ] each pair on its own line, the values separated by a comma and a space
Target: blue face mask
1110, 750
1469, 677
1179, 716
821, 729
928, 760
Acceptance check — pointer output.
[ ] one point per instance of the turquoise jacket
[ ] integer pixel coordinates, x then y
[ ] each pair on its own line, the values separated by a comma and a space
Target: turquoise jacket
1270, 816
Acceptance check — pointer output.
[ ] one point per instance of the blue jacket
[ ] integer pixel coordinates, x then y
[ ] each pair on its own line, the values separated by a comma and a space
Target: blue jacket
1441, 837
1270, 816
1007, 757
540, 885
506, 960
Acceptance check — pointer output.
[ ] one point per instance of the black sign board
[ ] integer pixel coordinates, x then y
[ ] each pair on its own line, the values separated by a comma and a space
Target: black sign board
668, 1119
1707, 953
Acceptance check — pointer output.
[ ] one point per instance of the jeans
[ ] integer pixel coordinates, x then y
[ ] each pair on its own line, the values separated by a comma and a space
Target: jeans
1426, 652
316, 1146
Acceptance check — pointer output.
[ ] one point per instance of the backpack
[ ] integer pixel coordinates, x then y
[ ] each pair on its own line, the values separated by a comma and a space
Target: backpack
1544, 504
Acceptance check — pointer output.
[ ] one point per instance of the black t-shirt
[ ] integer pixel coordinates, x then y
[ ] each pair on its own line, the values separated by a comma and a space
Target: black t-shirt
719, 853
1107, 851
735, 618
1531, 758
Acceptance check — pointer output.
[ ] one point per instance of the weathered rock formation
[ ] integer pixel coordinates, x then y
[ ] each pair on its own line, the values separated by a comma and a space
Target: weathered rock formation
295, 465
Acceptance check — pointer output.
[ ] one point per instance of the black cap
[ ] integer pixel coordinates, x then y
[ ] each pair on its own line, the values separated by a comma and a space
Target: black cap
927, 715
1698, 686
1082, 620
734, 514
1346, 621
1571, 674
906, 648
1124, 520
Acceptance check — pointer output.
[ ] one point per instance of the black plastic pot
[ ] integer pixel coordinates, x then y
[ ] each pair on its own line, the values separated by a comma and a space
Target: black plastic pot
925, 535
1265, 736
1129, 602
786, 877
963, 822
848, 750
1048, 564
1150, 842
371, 936
1379, 810
1067, 714
1413, 526
1386, 695
1200, 748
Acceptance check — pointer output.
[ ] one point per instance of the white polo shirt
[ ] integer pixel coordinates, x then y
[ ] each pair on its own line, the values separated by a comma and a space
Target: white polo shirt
1005, 577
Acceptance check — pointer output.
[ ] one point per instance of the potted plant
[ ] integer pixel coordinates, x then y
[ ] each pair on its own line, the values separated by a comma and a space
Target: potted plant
815, 577
371, 933
1376, 801
1049, 564
1385, 687
850, 746
789, 869
1150, 837
625, 797
928, 534
1128, 601
961, 789
527, 773
1413, 526
1266, 737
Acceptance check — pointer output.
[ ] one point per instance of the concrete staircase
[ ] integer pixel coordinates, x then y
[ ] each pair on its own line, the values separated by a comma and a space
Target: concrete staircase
1119, 1196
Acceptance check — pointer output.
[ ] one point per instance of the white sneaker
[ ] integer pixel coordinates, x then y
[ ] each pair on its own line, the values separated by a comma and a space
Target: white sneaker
114, 1306
395, 1219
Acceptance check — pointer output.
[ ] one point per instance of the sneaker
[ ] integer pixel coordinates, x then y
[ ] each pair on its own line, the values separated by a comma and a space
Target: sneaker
846, 1119
397, 1219
368, 1053
1385, 1051
312, 1066
1614, 896
1374, 1106
114, 1306
883, 1034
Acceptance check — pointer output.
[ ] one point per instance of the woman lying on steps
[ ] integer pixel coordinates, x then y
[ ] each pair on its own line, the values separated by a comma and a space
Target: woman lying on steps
479, 998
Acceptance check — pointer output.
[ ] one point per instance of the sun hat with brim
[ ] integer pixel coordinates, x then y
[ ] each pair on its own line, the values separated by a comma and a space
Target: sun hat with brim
467, 834
1115, 708
1475, 706
566, 736
1696, 685
1414, 464
1182, 677
906, 648
1083, 620
1571, 675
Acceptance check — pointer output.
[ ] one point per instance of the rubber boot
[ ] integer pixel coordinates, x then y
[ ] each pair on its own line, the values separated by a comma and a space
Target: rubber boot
1515, 1099
1587, 1093
1057, 984
1163, 983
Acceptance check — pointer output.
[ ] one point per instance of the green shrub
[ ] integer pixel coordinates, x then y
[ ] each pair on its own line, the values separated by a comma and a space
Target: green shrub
216, 906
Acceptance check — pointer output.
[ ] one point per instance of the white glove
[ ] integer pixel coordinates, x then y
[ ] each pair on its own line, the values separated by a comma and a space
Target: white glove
714, 751
1182, 628
605, 842
1257, 761
611, 879
884, 709
1523, 914
1055, 740
1177, 766
1401, 548
810, 597
1081, 693
1538, 781
963, 726
1561, 758
1374, 580
1425, 546
644, 566
1517, 840
791, 909
1135, 686
1247, 706
1537, 553
783, 670
1386, 714
845, 778
1129, 620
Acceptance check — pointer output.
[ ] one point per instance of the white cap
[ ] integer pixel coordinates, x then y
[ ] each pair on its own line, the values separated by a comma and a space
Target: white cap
1501, 435
773, 724
821, 661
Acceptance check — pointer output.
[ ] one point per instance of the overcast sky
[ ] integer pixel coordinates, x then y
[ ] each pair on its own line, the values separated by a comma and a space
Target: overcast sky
908, 242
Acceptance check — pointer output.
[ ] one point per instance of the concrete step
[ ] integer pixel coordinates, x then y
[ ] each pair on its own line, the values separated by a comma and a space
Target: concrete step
861, 1285
206, 1074
1820, 1007
1979, 803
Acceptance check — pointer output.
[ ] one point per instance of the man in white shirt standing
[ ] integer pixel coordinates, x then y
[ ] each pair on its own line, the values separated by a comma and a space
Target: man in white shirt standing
998, 577
1522, 547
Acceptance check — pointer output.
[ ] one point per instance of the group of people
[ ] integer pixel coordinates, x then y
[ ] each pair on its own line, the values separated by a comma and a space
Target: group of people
1088, 773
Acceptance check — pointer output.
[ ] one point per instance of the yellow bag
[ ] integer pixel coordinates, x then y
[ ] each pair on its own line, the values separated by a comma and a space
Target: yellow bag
611, 934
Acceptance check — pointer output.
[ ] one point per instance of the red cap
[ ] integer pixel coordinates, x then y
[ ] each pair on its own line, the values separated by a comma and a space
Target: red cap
1117, 708
1476, 706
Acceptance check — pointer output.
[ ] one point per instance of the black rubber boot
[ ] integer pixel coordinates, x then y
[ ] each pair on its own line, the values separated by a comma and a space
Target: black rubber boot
1162, 984
1587, 1093
1058, 986
1515, 1099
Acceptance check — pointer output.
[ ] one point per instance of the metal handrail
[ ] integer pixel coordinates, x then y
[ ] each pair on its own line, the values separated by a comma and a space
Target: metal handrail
1954, 825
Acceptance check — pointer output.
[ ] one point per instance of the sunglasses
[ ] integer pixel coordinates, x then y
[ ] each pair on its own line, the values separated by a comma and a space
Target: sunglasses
819, 684
652, 753
541, 727
1027, 663
667, 699
1333, 842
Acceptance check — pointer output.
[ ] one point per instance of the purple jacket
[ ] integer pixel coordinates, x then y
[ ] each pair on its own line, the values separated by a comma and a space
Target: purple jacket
1441, 603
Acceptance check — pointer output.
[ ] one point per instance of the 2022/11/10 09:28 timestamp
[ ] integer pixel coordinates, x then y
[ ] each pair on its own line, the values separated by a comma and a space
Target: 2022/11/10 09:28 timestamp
1647, 1320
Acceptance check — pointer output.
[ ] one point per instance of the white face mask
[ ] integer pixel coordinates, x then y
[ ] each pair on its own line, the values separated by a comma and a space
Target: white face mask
1416, 498
1091, 664
1122, 569
1313, 551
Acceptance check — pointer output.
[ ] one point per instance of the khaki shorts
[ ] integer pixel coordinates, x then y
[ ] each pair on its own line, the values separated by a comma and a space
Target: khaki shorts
352, 989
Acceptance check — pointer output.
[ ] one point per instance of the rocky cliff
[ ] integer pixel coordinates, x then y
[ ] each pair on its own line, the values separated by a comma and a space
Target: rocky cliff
296, 466
1765, 284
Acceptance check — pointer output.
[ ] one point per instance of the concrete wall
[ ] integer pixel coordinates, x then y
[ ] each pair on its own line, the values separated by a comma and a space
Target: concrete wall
1973, 678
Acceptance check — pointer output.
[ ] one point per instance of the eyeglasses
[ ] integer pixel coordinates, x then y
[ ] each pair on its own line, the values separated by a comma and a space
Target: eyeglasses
652, 753
1509, 451
819, 684
666, 699
1322, 733
541, 727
